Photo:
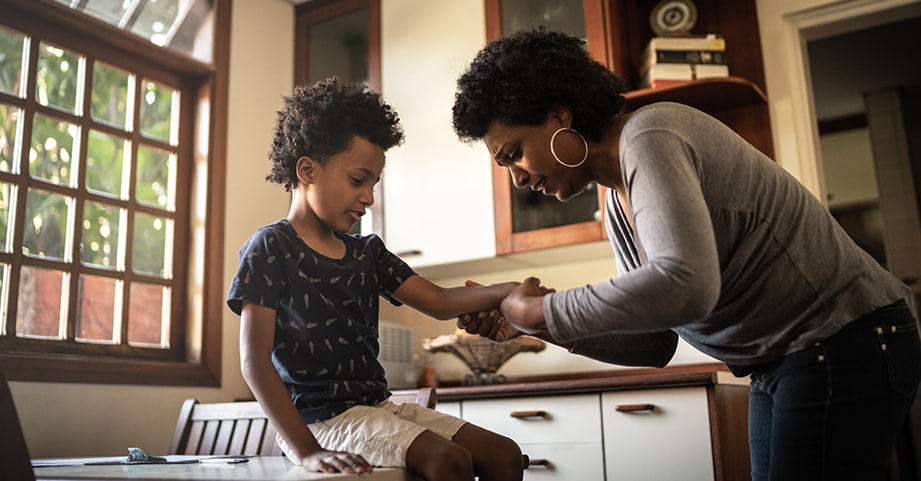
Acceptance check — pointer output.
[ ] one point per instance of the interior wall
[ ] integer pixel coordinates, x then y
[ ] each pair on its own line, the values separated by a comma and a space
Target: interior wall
785, 26
63, 420
849, 175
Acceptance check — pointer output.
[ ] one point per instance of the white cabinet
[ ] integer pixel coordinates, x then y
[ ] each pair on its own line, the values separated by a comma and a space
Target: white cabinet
656, 434
562, 433
692, 427
437, 191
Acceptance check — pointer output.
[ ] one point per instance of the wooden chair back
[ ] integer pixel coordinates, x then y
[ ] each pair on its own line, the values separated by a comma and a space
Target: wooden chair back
232, 428
14, 455
242, 428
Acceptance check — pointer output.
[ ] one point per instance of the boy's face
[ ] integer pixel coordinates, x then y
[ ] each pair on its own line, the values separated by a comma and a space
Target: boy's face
341, 189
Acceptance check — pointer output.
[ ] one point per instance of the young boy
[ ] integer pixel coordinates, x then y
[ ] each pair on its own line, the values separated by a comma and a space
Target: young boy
307, 295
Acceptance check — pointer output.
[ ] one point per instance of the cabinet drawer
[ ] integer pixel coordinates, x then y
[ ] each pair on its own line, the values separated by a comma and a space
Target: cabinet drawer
570, 462
657, 434
546, 419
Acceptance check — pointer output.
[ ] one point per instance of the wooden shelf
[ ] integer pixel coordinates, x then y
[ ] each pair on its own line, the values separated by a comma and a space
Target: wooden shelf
709, 95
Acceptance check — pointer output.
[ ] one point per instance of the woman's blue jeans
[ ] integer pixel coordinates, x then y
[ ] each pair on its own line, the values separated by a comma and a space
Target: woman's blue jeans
832, 412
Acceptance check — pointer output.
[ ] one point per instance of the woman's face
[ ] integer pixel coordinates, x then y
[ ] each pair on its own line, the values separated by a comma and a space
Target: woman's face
525, 151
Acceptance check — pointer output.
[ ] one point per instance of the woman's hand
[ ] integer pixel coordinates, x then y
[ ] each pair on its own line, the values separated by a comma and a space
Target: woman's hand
524, 307
494, 324
336, 462
488, 324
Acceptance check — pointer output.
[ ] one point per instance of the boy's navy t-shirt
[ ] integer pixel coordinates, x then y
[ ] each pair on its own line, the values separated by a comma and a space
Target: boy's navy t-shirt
326, 322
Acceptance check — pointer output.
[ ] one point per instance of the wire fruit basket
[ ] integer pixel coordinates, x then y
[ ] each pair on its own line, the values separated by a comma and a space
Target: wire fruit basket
481, 355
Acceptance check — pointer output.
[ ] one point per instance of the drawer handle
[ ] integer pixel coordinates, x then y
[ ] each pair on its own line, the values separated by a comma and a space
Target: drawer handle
529, 414
539, 462
635, 408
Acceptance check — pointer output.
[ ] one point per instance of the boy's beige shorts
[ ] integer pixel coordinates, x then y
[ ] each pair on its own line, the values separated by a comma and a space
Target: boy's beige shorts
381, 434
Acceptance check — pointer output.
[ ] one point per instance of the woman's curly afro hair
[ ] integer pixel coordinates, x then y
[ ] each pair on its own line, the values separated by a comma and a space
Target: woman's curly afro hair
521, 78
319, 121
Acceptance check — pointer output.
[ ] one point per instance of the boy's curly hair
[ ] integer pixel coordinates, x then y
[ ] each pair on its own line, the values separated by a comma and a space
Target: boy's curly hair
319, 121
521, 78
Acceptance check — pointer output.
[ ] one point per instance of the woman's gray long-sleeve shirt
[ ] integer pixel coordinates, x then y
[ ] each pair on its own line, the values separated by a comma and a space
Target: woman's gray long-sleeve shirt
729, 251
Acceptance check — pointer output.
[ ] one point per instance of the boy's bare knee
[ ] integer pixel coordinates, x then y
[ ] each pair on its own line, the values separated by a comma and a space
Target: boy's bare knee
502, 461
495, 457
437, 459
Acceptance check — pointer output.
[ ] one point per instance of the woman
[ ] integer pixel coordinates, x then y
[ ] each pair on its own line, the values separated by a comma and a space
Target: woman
715, 243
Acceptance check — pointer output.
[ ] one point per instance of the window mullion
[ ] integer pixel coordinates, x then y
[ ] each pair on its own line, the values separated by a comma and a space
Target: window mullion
131, 14
73, 301
131, 207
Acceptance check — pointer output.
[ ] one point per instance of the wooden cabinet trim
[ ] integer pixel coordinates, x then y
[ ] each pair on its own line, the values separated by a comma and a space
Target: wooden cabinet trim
666, 377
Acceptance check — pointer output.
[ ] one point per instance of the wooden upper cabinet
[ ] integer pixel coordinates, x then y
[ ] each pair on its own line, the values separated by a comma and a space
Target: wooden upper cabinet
528, 220
616, 32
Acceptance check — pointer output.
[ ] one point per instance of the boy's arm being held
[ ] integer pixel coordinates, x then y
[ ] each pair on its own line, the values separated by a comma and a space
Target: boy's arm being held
257, 335
449, 302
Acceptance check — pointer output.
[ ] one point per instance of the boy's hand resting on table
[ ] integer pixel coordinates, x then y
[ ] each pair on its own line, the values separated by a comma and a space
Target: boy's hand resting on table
336, 462
492, 324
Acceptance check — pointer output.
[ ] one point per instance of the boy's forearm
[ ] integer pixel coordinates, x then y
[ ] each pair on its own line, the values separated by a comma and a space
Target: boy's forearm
461, 300
449, 302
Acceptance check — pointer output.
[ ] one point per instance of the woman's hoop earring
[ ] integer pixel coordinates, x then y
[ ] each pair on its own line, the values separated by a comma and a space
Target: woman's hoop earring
553, 150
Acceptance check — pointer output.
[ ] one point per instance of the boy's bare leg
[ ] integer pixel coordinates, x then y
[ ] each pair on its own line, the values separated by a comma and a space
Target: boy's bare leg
436, 458
474, 451
495, 457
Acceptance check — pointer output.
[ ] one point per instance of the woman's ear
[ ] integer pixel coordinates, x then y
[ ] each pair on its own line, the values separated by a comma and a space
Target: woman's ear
561, 117
306, 169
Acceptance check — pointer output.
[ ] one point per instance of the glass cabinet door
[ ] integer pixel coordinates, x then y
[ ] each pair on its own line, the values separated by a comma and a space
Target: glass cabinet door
526, 219
339, 46
341, 39
563, 15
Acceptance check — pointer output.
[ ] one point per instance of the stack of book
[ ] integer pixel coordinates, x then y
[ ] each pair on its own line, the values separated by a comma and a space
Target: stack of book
675, 60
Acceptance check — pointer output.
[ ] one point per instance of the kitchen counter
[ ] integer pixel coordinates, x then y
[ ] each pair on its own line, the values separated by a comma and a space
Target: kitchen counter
710, 374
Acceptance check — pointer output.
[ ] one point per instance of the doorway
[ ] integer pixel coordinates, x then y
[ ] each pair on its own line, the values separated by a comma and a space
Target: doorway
865, 86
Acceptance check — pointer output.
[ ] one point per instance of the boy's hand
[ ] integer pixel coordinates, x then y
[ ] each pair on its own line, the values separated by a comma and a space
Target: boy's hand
336, 462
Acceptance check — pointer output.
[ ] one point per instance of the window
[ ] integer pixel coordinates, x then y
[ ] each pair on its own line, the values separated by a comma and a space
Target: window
175, 24
110, 189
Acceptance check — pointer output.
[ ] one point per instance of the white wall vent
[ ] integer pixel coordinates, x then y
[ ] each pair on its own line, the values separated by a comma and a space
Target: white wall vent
397, 353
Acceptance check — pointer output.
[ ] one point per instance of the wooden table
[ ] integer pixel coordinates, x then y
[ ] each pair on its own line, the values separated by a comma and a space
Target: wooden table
258, 468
